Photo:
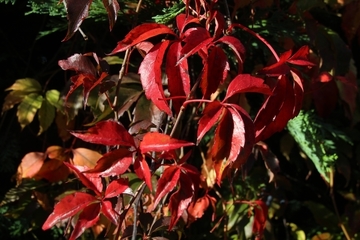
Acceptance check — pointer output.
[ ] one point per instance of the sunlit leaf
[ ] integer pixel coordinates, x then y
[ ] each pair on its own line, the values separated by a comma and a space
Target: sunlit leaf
142, 170
85, 157
211, 116
26, 85
68, 207
154, 141
27, 108
52, 96
116, 187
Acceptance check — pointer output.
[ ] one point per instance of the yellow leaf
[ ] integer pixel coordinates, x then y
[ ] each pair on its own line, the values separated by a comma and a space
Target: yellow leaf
46, 115
12, 99
27, 85
53, 98
27, 108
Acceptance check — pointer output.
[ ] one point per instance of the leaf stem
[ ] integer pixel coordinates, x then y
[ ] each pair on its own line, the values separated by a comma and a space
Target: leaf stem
246, 29
343, 228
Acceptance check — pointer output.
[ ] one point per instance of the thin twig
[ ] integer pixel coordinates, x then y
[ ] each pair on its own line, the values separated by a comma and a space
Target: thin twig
343, 228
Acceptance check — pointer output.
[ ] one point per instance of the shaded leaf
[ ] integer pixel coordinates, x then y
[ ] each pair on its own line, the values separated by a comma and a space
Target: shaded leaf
46, 115
260, 215
195, 39
87, 218
141, 33
12, 99
154, 141
166, 183
214, 72
278, 68
77, 11
109, 212
151, 76
28, 108
237, 47
112, 8
180, 200
211, 116
78, 63
68, 207
107, 133
178, 75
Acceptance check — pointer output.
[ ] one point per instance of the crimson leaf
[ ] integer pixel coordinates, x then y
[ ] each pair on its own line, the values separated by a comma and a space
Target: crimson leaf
142, 170
154, 141
87, 218
140, 34
150, 76
107, 133
112, 8
211, 115
68, 207
116, 187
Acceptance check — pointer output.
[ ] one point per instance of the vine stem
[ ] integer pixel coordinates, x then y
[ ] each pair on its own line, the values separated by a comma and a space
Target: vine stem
248, 30
342, 226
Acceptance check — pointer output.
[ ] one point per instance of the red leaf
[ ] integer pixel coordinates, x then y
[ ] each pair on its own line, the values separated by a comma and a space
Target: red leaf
214, 72
238, 135
113, 163
195, 39
244, 83
151, 76
90, 83
109, 212
277, 110
142, 170
87, 181
154, 141
112, 8
107, 133
78, 63
77, 11
180, 200
279, 68
87, 218
116, 187
140, 34
68, 207
182, 20
301, 57
211, 115
166, 183
196, 209
237, 47
260, 215
298, 91
178, 75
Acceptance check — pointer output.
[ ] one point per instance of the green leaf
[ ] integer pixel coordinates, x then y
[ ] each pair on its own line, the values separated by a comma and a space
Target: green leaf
26, 85
323, 216
27, 108
46, 115
52, 96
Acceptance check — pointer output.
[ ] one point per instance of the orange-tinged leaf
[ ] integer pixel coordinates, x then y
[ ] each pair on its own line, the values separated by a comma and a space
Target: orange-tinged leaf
260, 215
68, 207
154, 141
85, 157
31, 164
